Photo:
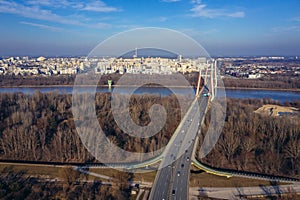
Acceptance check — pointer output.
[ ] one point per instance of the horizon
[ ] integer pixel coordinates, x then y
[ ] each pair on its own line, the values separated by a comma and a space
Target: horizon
191, 57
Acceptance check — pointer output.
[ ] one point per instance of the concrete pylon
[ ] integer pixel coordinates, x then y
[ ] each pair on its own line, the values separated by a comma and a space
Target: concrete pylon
206, 74
216, 79
212, 88
198, 84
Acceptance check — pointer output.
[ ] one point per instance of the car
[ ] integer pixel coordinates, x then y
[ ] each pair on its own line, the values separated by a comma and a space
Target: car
182, 165
206, 94
187, 158
173, 192
178, 173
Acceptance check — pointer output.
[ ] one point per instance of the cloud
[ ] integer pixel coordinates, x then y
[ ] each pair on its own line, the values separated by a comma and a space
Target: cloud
55, 3
99, 6
162, 19
196, 33
236, 14
41, 3
94, 6
201, 10
42, 26
170, 1
285, 29
296, 19
196, 1
158, 19
101, 25
35, 12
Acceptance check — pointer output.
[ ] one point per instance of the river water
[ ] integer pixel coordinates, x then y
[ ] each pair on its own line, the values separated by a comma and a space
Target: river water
281, 96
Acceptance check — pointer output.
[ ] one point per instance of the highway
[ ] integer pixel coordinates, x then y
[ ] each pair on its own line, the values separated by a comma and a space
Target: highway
180, 184
172, 180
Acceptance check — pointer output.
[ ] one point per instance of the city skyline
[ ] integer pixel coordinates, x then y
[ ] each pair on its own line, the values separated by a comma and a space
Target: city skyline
223, 28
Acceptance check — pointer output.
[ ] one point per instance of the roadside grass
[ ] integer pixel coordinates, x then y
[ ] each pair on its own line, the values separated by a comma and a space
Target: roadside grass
147, 177
53, 172
36, 171
200, 178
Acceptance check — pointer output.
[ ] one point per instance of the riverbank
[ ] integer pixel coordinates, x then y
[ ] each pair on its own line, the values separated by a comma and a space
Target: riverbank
100, 86
151, 86
267, 89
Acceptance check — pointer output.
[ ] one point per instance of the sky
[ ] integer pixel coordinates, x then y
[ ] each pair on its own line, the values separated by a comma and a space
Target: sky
222, 27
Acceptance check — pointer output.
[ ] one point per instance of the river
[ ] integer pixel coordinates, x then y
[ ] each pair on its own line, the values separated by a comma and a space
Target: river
281, 96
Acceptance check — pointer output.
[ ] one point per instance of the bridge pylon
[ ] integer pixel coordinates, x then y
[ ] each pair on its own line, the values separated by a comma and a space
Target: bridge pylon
199, 82
211, 72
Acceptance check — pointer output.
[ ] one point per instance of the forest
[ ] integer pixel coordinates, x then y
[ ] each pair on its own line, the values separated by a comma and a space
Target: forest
21, 186
272, 82
253, 142
67, 80
40, 127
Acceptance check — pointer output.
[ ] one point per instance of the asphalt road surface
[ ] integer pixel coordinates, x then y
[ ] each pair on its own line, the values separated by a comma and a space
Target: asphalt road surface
172, 181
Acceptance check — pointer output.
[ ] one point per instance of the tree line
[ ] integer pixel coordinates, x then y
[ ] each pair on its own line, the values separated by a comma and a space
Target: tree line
18, 80
18, 185
40, 127
273, 82
257, 143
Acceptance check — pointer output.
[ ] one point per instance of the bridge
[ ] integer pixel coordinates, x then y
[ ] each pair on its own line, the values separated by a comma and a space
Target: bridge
172, 180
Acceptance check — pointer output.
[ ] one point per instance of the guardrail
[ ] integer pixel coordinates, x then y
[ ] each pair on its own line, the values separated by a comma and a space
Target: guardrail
232, 173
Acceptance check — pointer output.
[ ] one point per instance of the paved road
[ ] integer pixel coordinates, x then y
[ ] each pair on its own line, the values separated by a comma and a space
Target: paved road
172, 180
141, 191
146, 195
180, 184
239, 192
